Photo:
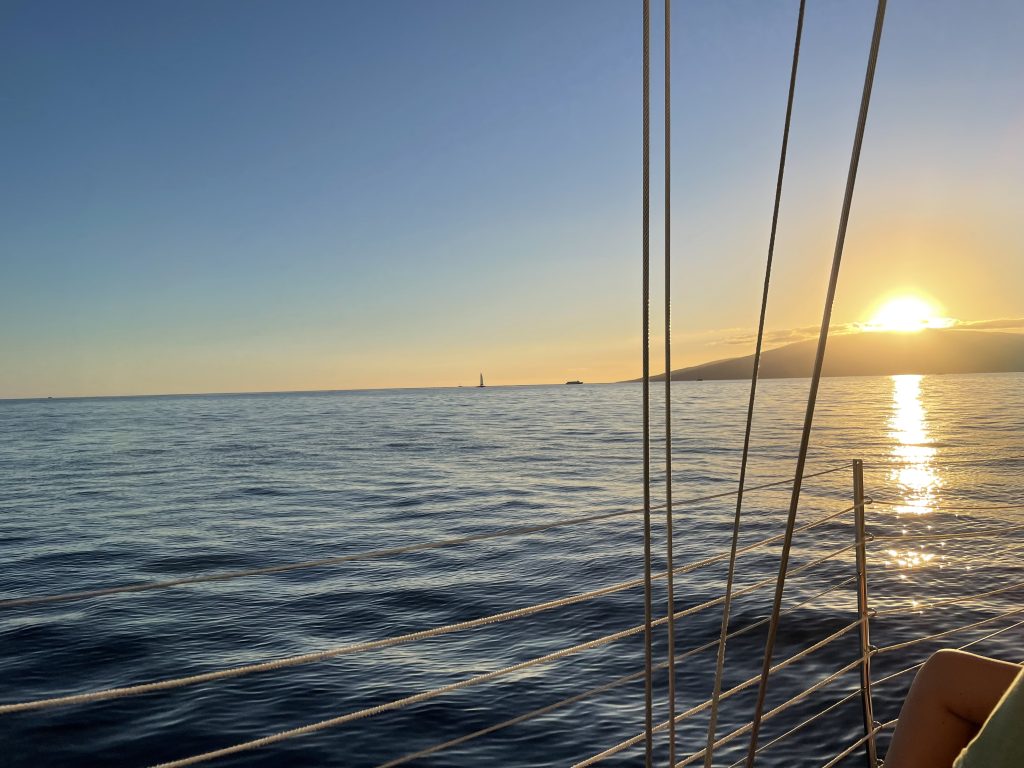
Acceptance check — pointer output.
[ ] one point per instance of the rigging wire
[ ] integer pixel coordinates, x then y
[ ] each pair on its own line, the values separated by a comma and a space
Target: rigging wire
646, 397
616, 683
739, 688
720, 660
669, 582
816, 376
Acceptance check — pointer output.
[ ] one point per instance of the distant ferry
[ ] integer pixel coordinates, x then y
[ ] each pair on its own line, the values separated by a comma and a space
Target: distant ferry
574, 382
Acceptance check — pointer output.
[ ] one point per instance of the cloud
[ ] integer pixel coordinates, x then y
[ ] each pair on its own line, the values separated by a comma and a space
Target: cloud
788, 335
1003, 324
778, 337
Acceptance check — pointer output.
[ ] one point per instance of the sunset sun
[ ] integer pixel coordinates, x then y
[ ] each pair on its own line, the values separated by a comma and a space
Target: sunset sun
907, 314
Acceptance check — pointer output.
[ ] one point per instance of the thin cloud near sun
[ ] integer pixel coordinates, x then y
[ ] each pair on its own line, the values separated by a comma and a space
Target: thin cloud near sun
781, 336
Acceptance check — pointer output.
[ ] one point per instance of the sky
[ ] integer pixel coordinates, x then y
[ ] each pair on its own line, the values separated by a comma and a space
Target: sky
224, 196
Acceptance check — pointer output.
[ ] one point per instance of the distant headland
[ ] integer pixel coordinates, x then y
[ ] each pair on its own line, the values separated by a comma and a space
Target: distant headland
931, 351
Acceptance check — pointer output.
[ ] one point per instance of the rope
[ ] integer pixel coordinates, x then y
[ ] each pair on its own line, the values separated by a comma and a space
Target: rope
626, 744
858, 743
399, 703
763, 583
465, 683
290, 661
819, 360
407, 758
989, 636
937, 635
601, 688
778, 710
20, 602
1000, 531
646, 269
670, 582
796, 729
950, 601
720, 660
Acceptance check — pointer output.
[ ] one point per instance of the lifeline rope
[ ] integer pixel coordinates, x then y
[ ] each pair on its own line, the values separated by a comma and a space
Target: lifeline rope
616, 683
646, 268
797, 728
626, 744
947, 632
819, 360
669, 582
779, 709
388, 642
395, 704
982, 639
720, 661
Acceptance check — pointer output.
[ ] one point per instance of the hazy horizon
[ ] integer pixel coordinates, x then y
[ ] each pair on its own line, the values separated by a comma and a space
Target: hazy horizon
323, 196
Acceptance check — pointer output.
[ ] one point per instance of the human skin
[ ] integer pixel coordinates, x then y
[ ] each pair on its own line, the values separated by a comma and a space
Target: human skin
952, 696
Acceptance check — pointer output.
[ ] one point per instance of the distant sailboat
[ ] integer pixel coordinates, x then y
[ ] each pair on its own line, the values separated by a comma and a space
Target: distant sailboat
481, 381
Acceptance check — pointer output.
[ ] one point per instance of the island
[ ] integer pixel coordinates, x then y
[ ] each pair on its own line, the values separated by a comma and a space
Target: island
931, 351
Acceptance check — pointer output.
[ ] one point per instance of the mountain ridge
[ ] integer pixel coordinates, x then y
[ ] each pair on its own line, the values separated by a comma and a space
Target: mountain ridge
931, 351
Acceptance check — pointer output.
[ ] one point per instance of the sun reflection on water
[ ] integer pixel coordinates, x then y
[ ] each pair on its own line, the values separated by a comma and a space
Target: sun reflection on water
913, 450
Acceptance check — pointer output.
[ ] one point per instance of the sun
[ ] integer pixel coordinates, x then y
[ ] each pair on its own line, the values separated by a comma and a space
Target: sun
907, 314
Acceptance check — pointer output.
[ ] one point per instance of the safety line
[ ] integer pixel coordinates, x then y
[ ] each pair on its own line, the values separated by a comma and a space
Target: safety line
858, 743
944, 633
397, 703
540, 711
627, 743
625, 679
777, 710
435, 692
797, 728
920, 664
290, 661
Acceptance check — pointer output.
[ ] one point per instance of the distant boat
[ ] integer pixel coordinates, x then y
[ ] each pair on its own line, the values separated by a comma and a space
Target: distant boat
574, 382
481, 381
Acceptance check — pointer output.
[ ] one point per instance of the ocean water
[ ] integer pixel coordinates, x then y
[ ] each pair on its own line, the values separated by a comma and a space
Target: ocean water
103, 492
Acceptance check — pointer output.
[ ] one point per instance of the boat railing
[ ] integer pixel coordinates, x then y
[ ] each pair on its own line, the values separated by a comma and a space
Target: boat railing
851, 555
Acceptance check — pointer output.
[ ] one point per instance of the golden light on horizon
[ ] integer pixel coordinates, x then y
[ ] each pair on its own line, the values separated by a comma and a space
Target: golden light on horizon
907, 314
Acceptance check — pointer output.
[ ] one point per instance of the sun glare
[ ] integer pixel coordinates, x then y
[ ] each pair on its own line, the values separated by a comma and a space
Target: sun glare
907, 314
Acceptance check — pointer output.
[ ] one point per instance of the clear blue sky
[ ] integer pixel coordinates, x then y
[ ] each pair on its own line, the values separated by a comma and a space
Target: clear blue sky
219, 195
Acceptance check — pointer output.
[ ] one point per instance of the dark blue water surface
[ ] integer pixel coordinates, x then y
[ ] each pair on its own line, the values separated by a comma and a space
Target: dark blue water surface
100, 492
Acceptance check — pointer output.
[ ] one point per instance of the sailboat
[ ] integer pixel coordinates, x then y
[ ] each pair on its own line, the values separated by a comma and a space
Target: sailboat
481, 384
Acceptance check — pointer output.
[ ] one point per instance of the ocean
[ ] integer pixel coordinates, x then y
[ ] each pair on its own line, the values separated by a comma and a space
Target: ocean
110, 491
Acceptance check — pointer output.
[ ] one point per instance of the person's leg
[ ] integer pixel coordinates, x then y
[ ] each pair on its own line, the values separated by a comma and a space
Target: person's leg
952, 696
